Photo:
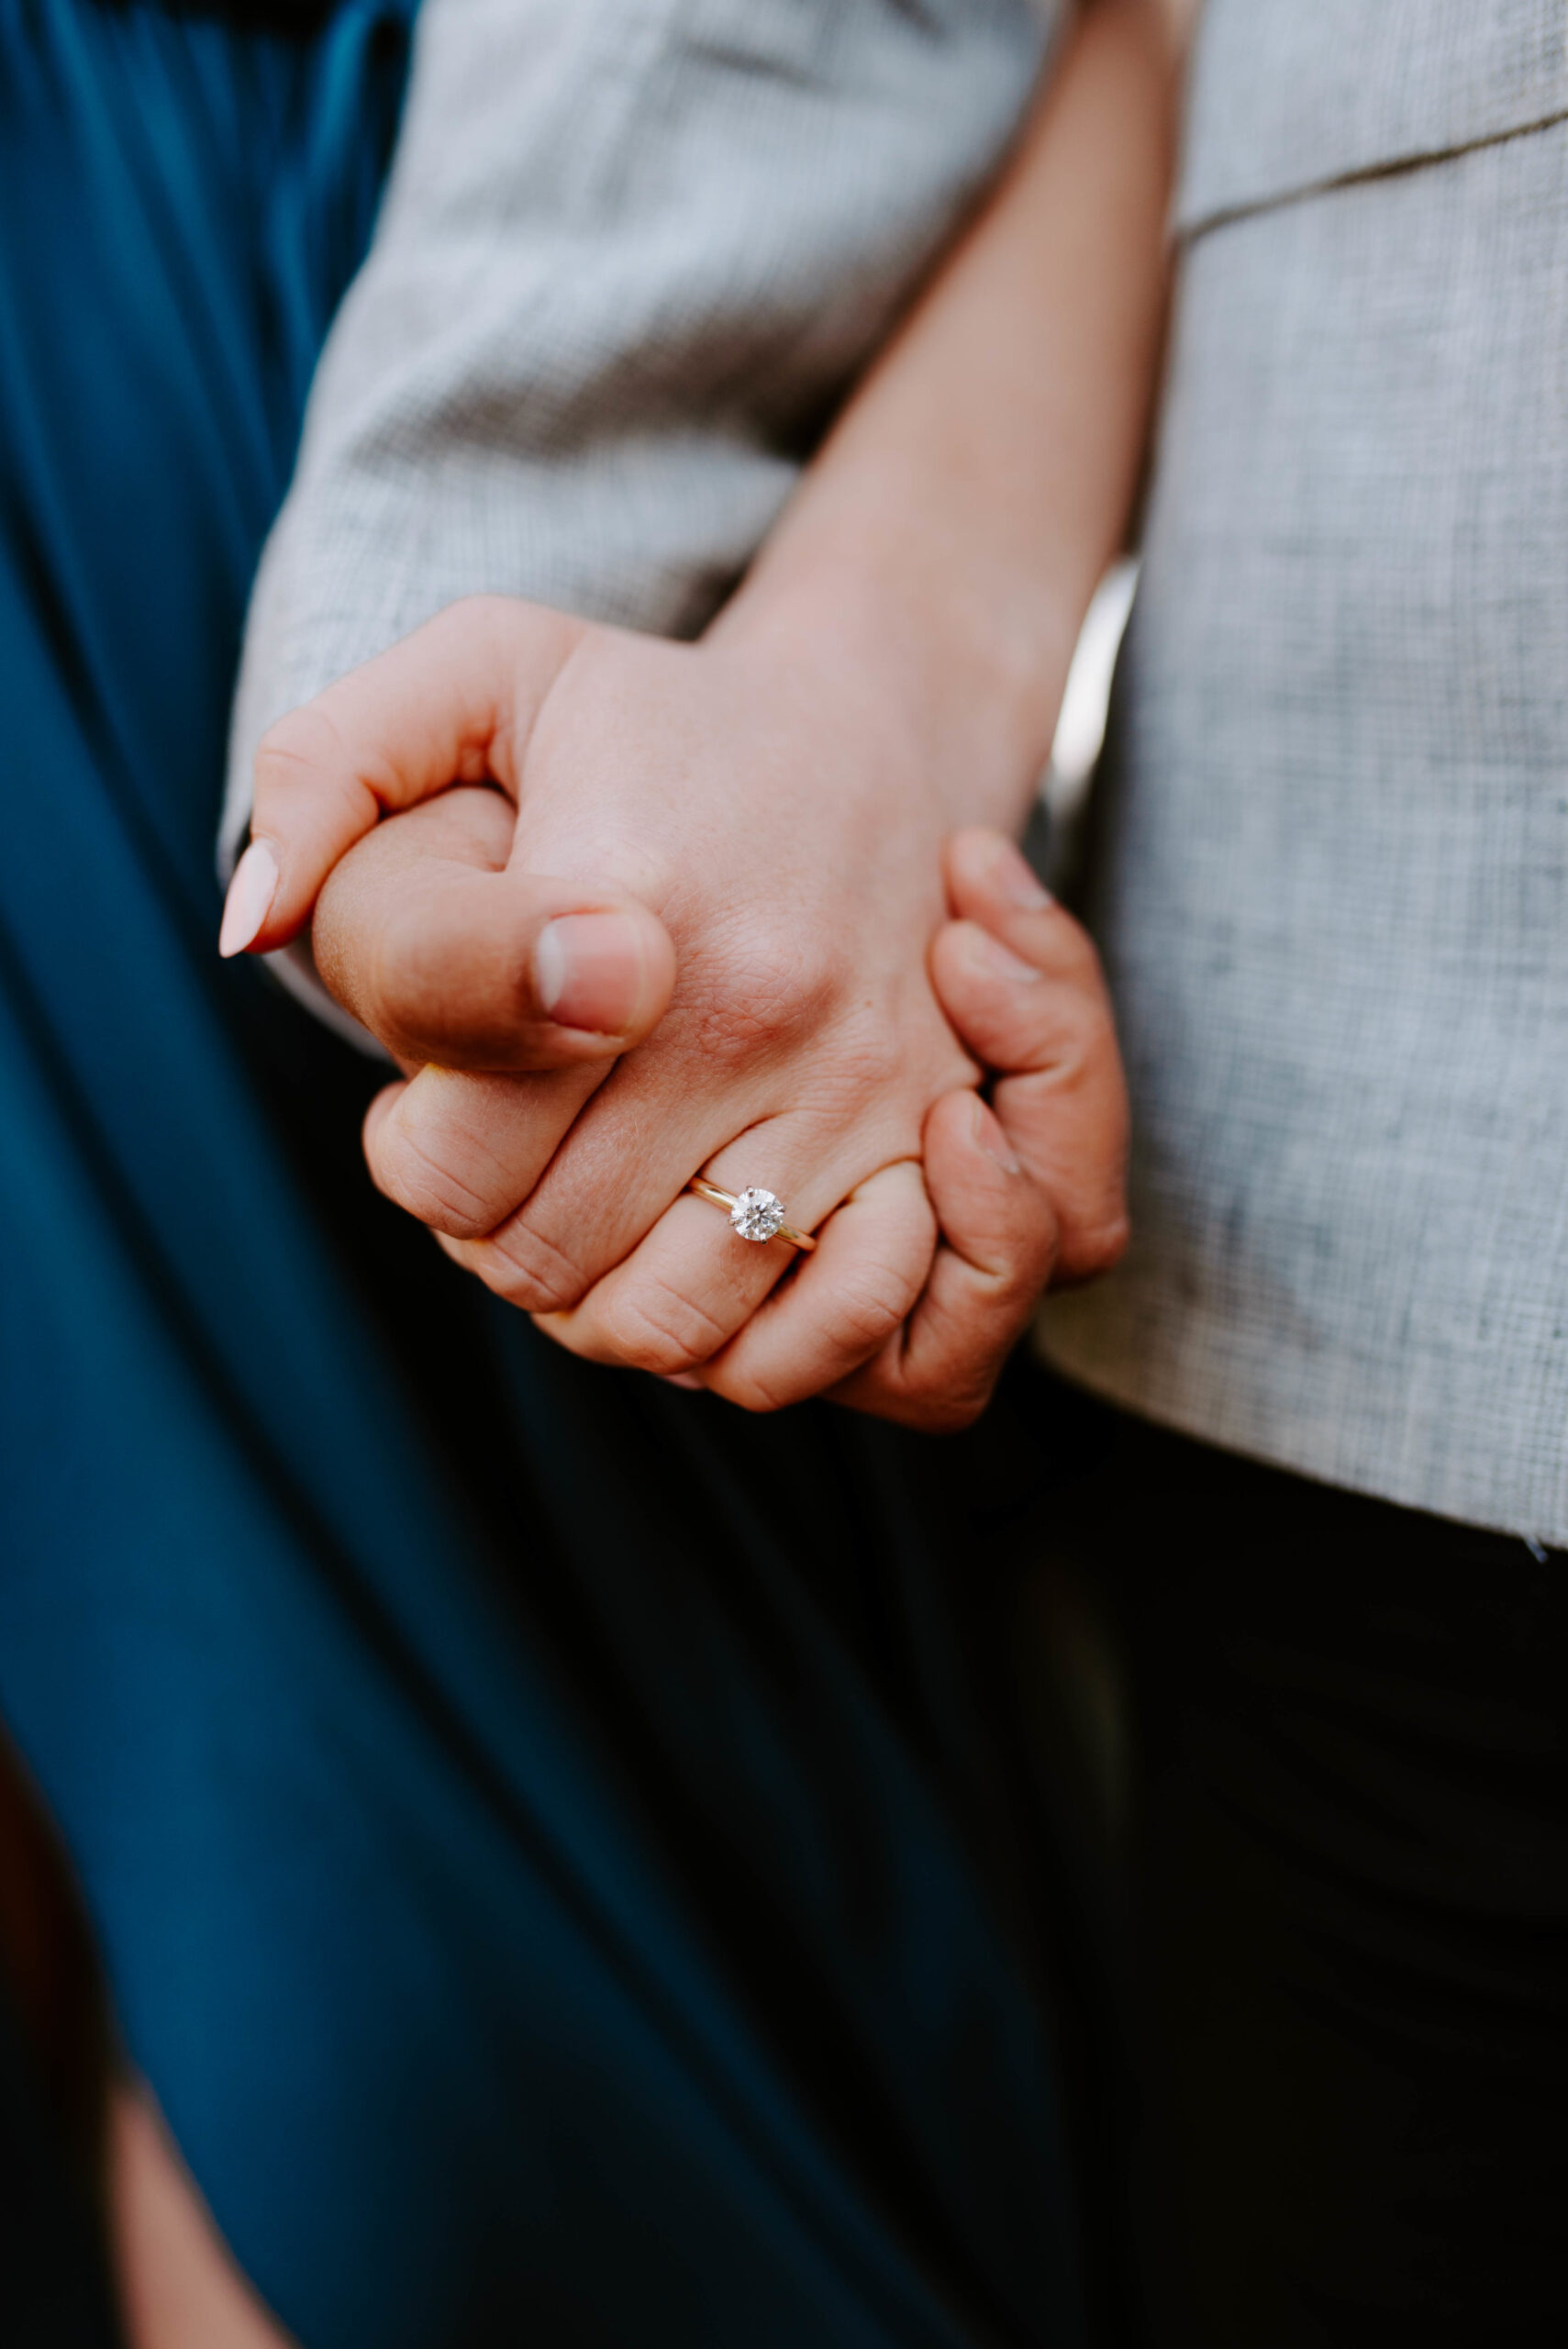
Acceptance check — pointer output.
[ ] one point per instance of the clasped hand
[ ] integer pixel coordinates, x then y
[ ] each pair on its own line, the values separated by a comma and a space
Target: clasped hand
700, 909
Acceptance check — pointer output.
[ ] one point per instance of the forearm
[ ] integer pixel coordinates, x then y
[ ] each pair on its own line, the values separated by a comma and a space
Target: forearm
949, 536
625, 256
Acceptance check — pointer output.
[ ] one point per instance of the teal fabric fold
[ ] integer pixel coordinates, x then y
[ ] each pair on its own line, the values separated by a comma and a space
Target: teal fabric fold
543, 1838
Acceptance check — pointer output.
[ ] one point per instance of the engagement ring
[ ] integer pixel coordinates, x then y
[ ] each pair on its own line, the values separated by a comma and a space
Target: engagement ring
754, 1214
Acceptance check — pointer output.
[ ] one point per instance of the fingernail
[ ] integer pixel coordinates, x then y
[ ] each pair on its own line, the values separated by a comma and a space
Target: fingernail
588, 971
680, 1378
988, 1136
1016, 881
250, 899
994, 960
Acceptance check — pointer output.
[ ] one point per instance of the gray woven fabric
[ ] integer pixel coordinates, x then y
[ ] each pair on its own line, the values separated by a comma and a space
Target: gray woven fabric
631, 255
1332, 875
1288, 94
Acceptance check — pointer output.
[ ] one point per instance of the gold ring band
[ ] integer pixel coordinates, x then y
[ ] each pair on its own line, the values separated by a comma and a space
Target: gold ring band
755, 1214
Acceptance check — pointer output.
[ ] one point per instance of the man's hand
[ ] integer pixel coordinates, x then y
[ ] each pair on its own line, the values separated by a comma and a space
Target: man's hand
1030, 1193
539, 973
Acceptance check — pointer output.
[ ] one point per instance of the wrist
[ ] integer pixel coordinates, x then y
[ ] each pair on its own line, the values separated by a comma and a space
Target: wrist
968, 670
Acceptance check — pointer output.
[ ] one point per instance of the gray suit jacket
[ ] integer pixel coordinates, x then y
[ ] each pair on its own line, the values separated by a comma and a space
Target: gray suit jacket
632, 252
630, 257
1332, 873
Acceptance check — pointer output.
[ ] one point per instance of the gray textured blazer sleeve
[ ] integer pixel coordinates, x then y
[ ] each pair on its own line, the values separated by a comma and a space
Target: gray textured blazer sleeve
631, 255
1330, 868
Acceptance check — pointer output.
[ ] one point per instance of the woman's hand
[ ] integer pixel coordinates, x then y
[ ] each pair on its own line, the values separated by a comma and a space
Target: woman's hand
785, 830
1028, 1192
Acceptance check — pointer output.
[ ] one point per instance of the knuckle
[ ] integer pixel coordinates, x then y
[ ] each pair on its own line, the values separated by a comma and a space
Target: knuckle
1026, 1249
1072, 1057
758, 992
752, 1389
305, 747
939, 1411
305, 752
1074, 954
871, 1055
304, 738
426, 1182
949, 1386
429, 983
653, 1326
1017, 1277
870, 1305
1073, 1035
1060, 949
1094, 1247
932, 1401
531, 1272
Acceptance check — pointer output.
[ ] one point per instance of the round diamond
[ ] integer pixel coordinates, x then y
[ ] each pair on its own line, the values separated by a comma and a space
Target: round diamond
756, 1215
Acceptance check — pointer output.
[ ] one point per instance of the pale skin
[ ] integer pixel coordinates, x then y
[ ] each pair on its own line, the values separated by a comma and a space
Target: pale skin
748, 905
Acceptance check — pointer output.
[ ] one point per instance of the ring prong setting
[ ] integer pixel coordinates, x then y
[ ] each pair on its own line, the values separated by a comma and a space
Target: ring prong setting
757, 1215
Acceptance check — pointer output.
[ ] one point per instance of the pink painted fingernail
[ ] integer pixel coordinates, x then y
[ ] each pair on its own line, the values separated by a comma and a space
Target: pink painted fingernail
250, 899
1017, 880
588, 969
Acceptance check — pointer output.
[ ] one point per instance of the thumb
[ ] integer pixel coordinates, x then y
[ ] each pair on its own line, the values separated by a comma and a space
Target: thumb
455, 702
445, 955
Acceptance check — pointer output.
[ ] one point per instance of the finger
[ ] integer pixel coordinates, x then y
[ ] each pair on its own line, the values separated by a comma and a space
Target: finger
990, 885
633, 1150
1064, 1109
1013, 1014
676, 1299
686, 1282
998, 1246
1026, 994
462, 1152
1069, 1129
692, 1284
453, 703
663, 1115
841, 1306
446, 955
989, 878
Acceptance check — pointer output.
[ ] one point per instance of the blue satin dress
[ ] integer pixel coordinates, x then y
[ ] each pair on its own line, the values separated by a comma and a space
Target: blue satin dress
544, 1842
